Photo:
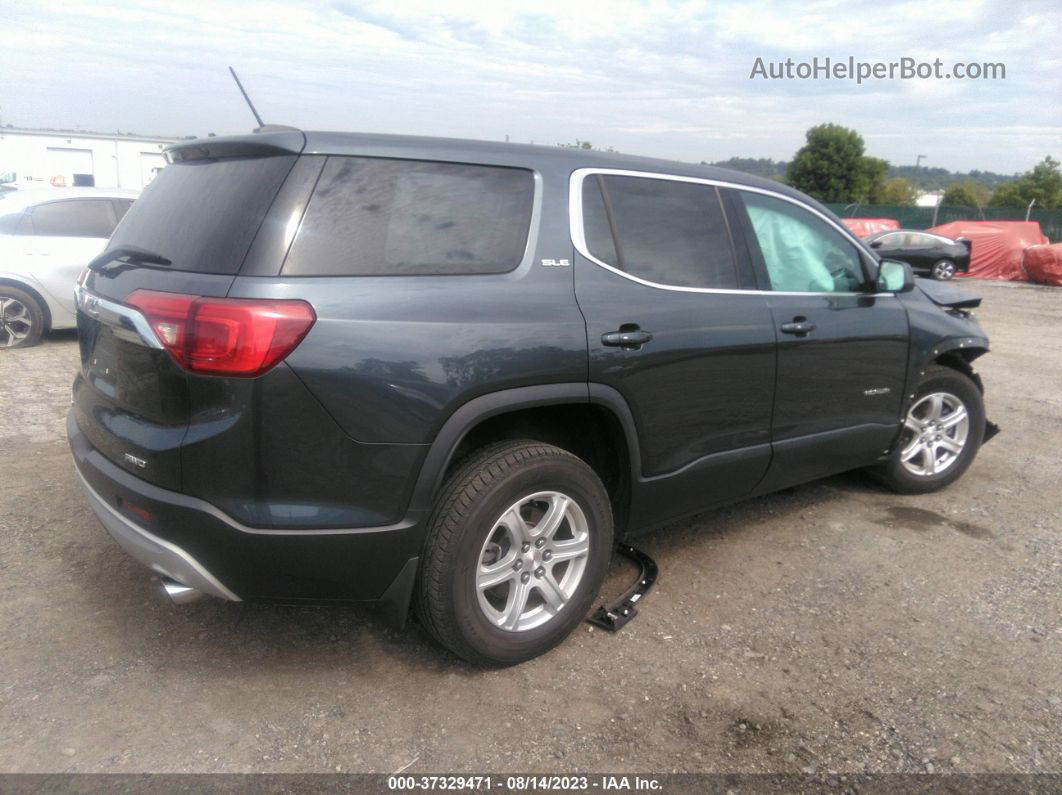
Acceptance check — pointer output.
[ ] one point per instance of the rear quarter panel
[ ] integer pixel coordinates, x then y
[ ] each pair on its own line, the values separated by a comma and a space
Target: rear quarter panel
391, 357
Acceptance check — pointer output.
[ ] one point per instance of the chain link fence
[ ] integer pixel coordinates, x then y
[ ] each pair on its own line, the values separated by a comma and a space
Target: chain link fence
922, 217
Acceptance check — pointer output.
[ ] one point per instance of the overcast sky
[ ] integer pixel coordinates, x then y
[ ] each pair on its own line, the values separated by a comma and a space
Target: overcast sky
652, 78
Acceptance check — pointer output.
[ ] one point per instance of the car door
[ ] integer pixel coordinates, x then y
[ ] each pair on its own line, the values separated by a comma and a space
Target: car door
842, 348
675, 328
64, 236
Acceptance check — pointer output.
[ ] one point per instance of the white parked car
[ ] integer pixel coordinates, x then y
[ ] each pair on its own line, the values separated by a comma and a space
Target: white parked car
47, 236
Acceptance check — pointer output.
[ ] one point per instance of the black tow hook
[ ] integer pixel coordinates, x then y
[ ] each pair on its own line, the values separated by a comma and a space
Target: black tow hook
615, 615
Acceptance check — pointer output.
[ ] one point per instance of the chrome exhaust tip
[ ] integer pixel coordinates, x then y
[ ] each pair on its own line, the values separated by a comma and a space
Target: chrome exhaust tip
180, 594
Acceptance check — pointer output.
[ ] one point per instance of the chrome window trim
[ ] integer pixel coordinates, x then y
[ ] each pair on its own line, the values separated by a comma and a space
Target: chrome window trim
578, 236
949, 241
128, 323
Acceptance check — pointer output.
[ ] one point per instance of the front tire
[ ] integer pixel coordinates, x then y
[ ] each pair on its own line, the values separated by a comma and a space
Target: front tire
943, 270
516, 551
21, 318
942, 433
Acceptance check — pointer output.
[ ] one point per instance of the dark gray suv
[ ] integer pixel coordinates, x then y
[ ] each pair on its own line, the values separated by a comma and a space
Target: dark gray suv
451, 375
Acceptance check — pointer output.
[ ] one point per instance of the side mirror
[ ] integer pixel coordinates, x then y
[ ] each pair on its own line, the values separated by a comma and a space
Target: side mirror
875, 244
895, 277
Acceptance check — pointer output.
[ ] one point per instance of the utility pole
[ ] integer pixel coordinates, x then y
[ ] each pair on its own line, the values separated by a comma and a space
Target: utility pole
918, 161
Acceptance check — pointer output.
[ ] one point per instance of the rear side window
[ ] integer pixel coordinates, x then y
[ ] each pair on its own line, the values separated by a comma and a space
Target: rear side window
922, 241
377, 217
664, 231
203, 214
121, 207
74, 218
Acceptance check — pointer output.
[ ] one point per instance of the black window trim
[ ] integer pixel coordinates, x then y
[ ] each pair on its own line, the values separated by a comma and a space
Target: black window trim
578, 237
520, 269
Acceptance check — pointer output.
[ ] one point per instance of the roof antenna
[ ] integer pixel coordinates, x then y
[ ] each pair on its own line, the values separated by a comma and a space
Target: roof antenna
250, 104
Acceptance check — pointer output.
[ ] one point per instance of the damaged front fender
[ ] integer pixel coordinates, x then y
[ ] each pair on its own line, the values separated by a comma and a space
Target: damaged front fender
943, 331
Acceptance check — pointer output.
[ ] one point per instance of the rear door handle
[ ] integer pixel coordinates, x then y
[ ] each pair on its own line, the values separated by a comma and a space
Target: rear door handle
800, 327
628, 340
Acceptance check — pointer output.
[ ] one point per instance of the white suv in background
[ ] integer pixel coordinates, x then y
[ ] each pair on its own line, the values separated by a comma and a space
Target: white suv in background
47, 236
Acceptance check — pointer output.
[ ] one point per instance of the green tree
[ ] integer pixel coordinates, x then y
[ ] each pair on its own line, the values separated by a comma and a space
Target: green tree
828, 165
1009, 194
1043, 183
899, 191
872, 172
965, 194
831, 167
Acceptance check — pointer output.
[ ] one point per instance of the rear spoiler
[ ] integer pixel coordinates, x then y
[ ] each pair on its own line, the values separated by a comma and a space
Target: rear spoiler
267, 143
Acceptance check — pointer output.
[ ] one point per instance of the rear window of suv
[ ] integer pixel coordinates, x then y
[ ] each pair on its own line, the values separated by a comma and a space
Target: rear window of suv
381, 217
203, 214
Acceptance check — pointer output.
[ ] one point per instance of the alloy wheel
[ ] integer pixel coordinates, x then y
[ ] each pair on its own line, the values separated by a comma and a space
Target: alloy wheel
532, 561
944, 270
934, 435
16, 322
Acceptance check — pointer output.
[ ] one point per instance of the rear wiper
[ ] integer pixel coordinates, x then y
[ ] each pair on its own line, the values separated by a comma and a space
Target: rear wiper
132, 254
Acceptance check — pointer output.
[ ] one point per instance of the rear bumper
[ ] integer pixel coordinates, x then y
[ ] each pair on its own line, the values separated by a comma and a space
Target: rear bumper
195, 543
157, 554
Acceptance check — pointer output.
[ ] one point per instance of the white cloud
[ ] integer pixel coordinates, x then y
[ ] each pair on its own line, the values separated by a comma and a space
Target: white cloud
664, 79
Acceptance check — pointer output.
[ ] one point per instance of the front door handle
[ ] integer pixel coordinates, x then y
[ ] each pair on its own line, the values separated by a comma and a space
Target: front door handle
628, 339
800, 327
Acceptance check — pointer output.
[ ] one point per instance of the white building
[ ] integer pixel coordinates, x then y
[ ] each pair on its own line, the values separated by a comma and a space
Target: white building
929, 198
65, 158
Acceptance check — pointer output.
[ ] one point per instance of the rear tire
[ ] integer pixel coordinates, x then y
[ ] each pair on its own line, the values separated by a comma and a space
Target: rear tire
21, 318
942, 433
536, 519
943, 270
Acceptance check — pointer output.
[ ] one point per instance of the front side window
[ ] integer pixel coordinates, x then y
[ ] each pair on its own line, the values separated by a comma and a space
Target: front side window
377, 217
801, 252
664, 231
74, 218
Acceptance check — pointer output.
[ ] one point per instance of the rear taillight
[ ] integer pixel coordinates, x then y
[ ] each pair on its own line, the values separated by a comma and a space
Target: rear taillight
241, 337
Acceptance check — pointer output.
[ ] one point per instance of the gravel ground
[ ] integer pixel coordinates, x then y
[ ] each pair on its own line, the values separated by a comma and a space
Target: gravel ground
832, 627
